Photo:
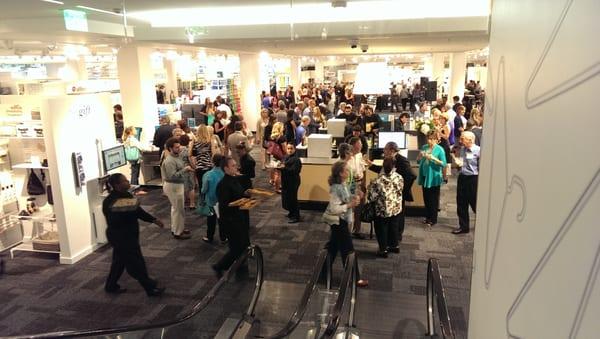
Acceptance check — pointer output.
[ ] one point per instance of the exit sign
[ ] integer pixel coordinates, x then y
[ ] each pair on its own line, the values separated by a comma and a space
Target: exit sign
75, 20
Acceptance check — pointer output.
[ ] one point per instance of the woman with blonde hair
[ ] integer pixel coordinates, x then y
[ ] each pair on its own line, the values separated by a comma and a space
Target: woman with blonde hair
477, 116
132, 147
216, 146
318, 119
202, 153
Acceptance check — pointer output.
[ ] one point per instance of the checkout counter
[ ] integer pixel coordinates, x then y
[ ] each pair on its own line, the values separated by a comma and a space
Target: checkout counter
316, 168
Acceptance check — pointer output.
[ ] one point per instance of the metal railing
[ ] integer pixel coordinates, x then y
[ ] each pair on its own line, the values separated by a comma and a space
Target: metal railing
309, 292
437, 296
349, 280
254, 251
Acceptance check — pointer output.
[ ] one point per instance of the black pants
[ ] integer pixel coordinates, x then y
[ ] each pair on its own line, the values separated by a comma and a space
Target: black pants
395, 107
127, 255
401, 220
405, 102
431, 196
211, 225
340, 240
466, 195
386, 231
238, 233
199, 174
289, 197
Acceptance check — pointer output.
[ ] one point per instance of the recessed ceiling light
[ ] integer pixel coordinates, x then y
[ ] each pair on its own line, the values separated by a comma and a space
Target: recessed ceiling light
54, 2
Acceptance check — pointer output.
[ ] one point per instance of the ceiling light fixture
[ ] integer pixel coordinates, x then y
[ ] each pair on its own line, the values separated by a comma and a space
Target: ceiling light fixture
99, 10
54, 2
360, 11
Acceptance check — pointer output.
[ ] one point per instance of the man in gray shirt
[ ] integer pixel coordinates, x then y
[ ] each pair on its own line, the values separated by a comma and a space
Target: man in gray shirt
235, 139
466, 190
172, 171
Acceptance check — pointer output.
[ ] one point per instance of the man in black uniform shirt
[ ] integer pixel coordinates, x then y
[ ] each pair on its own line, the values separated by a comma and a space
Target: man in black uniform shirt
247, 165
290, 182
236, 222
122, 211
163, 133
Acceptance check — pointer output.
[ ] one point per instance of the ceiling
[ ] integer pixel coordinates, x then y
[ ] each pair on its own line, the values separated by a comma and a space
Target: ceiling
33, 25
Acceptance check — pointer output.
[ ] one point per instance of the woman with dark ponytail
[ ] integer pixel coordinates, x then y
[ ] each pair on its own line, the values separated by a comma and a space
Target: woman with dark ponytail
122, 211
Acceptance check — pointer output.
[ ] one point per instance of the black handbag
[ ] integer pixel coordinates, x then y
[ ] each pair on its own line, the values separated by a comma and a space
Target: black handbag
34, 185
367, 213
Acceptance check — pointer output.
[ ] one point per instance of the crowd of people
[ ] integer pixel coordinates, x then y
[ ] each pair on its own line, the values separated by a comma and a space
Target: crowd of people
207, 169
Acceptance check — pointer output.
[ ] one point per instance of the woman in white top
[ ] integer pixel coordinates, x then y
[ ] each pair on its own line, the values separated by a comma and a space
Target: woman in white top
260, 135
132, 143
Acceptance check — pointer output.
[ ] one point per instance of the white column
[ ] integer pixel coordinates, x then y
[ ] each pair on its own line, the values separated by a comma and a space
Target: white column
295, 68
138, 95
458, 69
250, 88
171, 81
319, 74
77, 67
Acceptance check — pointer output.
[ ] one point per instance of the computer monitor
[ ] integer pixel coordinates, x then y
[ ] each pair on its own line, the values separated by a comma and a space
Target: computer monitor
114, 157
398, 137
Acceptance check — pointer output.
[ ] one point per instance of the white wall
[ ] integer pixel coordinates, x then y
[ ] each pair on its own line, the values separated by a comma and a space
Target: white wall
537, 241
74, 124
250, 90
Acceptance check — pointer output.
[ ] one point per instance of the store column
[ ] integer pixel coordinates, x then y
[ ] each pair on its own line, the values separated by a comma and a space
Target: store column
458, 69
295, 73
437, 64
250, 88
138, 95
171, 83
319, 74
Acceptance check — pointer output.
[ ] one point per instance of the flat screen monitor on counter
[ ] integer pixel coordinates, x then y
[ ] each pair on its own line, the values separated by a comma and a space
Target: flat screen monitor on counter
114, 157
398, 137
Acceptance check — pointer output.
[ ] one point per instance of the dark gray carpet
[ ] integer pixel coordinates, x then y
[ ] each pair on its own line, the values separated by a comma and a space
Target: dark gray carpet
37, 294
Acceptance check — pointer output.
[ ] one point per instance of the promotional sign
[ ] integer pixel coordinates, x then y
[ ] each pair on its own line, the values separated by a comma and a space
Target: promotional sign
75, 20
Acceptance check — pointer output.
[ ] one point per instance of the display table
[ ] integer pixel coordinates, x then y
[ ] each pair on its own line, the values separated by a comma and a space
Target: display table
150, 169
314, 189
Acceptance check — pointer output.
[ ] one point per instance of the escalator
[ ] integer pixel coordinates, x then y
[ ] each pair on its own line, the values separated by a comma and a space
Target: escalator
318, 313
264, 308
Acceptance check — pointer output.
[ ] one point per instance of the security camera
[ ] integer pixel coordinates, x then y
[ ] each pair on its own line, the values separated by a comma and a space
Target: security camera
364, 48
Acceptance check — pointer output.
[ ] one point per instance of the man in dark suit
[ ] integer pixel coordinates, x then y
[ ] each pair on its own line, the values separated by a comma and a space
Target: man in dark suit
163, 133
403, 167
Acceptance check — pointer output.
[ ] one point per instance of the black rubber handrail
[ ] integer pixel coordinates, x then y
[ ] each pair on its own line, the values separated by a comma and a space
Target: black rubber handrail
309, 292
435, 290
349, 279
253, 251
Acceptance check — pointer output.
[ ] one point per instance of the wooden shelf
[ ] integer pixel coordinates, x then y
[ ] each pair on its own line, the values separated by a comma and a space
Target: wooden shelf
28, 166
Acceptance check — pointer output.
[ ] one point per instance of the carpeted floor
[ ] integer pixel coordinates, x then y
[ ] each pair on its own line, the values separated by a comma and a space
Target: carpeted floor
37, 294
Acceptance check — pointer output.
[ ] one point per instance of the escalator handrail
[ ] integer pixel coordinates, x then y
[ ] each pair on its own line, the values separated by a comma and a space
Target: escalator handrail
253, 251
435, 289
298, 314
349, 279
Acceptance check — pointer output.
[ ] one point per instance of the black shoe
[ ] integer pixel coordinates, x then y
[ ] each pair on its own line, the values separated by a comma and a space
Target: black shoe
358, 236
182, 236
224, 242
294, 221
156, 291
117, 290
218, 271
381, 254
393, 249
207, 240
460, 231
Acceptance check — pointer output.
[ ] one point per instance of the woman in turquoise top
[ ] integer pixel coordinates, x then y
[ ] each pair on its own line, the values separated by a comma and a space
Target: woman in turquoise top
432, 161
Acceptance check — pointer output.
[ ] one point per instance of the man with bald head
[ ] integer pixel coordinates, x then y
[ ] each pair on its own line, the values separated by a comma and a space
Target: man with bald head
466, 191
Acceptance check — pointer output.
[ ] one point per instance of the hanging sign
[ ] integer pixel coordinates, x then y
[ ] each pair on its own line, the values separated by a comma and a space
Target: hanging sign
75, 20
